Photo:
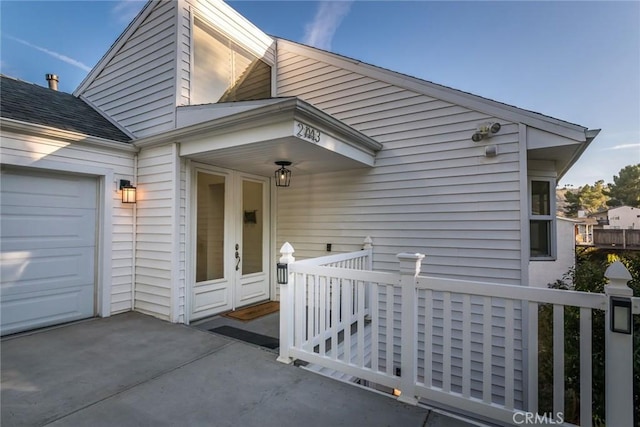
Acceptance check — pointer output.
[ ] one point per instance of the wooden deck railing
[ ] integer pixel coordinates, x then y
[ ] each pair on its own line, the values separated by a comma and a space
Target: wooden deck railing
617, 238
458, 344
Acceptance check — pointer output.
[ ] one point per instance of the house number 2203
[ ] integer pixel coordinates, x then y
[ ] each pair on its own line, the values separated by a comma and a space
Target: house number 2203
307, 132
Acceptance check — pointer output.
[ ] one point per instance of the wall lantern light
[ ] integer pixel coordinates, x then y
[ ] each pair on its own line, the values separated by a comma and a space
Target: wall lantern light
282, 271
128, 191
283, 175
620, 320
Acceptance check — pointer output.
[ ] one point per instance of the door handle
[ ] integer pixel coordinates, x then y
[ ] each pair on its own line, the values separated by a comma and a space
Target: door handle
237, 260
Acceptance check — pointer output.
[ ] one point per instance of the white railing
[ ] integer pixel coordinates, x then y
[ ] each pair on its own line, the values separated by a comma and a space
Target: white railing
459, 344
490, 381
328, 306
359, 260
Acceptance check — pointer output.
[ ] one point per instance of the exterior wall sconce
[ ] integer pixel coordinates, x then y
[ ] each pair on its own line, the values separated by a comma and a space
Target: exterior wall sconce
128, 191
283, 175
620, 315
282, 271
485, 130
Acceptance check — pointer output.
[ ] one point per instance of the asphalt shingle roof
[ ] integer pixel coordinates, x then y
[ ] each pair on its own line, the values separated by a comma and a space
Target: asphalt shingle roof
28, 102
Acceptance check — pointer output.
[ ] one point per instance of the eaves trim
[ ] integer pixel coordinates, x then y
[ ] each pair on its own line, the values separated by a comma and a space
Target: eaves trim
288, 108
590, 135
17, 126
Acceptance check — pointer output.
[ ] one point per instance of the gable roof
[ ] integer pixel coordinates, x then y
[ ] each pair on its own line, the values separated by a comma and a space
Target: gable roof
577, 133
120, 41
455, 96
220, 6
30, 103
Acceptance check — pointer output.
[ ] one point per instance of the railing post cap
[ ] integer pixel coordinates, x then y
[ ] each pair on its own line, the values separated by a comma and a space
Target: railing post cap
406, 256
368, 243
286, 248
287, 253
617, 271
410, 263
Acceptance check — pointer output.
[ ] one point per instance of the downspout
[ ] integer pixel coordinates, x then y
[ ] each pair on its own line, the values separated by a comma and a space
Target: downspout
134, 238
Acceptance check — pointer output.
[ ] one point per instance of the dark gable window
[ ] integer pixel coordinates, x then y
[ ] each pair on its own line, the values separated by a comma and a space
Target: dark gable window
223, 71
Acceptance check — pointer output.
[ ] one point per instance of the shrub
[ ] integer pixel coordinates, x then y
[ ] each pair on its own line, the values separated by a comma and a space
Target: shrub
586, 276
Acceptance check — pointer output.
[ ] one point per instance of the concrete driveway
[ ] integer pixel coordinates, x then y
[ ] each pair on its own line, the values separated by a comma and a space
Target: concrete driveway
134, 370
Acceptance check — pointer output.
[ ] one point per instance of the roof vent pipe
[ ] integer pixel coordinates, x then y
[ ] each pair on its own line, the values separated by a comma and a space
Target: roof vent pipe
53, 81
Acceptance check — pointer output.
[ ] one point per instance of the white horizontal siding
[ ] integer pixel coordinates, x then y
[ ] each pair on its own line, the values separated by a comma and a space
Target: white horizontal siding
27, 149
432, 190
430, 182
144, 70
155, 224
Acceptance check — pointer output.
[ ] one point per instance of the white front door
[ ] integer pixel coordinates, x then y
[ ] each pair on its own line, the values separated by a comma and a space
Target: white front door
231, 219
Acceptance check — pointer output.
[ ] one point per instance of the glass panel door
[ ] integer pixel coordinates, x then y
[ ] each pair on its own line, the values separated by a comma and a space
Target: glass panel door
230, 211
212, 291
253, 280
252, 227
210, 227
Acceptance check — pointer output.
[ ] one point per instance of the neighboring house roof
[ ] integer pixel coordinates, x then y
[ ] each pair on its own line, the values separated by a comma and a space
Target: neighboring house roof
573, 220
589, 221
604, 211
621, 207
30, 103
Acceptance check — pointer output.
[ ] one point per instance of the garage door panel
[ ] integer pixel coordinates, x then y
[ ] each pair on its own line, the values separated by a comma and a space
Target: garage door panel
45, 308
26, 271
47, 248
50, 190
24, 229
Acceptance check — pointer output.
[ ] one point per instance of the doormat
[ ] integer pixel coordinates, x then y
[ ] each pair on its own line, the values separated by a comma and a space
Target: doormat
247, 336
255, 311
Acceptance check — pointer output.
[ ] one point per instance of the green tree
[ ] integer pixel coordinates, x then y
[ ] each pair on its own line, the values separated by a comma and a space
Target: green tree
625, 190
593, 197
573, 205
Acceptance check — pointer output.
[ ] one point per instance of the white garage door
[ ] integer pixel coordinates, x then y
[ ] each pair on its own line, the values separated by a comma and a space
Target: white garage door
47, 249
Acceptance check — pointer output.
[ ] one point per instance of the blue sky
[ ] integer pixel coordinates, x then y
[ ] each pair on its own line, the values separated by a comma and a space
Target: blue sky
576, 61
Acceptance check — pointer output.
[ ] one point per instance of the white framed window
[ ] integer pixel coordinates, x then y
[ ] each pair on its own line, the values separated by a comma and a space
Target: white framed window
223, 71
542, 218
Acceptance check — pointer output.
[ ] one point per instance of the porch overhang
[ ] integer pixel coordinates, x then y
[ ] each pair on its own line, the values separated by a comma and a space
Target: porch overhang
250, 136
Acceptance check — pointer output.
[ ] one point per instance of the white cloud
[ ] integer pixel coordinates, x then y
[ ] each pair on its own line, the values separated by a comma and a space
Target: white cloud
624, 146
54, 54
126, 10
319, 33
